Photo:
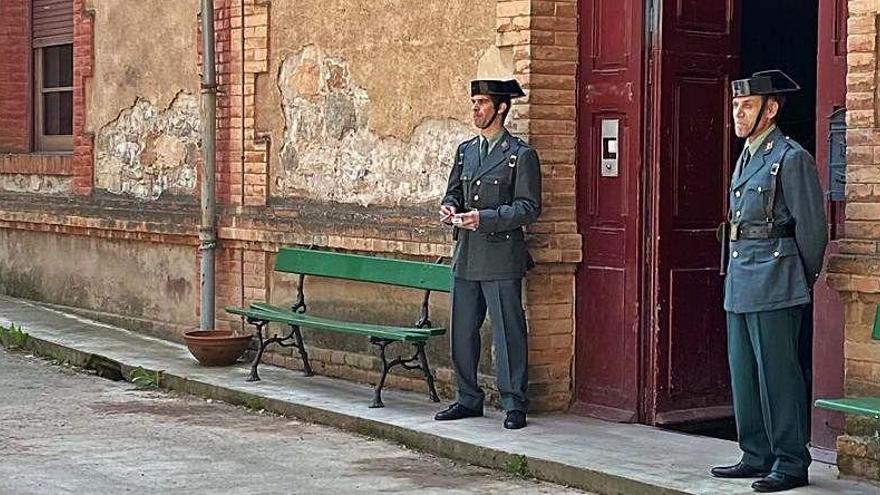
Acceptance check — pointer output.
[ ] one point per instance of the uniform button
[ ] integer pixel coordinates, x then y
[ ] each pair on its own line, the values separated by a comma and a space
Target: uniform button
476, 197
737, 194
478, 183
735, 254
738, 213
507, 236
759, 189
496, 181
776, 253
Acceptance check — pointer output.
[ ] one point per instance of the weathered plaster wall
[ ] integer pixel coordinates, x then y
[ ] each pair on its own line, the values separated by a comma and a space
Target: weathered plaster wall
365, 101
146, 49
142, 103
148, 151
35, 183
150, 281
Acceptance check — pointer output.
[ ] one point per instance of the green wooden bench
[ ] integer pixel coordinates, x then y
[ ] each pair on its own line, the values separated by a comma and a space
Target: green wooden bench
863, 406
412, 274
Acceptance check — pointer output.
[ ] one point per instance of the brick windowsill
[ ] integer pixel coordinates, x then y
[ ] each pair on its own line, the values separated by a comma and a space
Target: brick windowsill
36, 163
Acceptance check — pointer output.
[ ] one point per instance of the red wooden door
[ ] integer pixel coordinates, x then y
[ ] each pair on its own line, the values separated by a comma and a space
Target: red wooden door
610, 87
828, 317
693, 58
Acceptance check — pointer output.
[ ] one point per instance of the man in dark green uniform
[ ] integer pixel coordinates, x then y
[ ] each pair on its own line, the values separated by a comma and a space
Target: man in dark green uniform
777, 236
494, 190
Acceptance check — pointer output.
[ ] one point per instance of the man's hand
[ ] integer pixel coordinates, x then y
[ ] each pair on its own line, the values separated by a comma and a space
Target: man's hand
446, 213
469, 220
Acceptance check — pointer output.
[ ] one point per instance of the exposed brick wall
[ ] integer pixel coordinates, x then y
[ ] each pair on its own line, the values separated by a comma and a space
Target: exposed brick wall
14, 67
543, 37
855, 272
83, 65
36, 164
242, 45
859, 455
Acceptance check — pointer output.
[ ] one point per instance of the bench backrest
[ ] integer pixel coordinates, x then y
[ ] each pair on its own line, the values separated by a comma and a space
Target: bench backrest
415, 274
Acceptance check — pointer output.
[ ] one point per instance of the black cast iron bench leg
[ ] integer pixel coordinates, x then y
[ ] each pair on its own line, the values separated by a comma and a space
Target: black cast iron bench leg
258, 332
293, 339
377, 390
418, 361
298, 343
429, 377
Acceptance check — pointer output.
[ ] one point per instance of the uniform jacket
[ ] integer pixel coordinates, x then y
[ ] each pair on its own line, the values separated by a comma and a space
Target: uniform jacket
506, 190
768, 274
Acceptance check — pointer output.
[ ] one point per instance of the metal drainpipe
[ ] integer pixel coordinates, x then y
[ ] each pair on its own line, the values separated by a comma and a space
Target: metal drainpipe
207, 230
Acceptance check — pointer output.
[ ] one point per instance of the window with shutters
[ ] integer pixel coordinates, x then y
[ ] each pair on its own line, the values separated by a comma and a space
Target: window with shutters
52, 42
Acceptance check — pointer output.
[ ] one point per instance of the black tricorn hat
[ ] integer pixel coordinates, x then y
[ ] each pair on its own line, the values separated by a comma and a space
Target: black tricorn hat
496, 87
766, 82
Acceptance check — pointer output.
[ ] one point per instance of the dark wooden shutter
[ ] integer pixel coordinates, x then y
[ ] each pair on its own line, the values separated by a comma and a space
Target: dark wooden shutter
52, 22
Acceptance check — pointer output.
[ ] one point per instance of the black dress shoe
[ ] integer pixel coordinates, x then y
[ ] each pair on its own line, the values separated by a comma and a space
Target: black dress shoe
456, 411
739, 470
515, 420
777, 482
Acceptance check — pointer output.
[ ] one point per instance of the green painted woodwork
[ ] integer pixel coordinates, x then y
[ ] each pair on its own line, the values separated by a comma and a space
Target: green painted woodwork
268, 312
414, 274
865, 406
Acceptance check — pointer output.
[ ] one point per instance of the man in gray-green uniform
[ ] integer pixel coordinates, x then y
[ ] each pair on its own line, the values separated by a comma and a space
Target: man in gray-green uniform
776, 241
494, 190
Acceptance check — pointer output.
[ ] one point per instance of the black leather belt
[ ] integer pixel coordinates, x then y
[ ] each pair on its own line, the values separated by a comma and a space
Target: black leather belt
767, 231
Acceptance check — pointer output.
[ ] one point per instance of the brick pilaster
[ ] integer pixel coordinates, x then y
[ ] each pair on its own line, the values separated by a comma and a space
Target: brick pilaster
855, 272
543, 37
242, 53
83, 65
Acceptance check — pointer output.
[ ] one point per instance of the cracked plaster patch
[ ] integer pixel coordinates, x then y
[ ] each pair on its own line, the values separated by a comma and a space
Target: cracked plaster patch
147, 151
330, 153
35, 183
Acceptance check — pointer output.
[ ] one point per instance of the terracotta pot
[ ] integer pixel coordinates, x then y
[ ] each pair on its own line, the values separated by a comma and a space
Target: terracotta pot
216, 347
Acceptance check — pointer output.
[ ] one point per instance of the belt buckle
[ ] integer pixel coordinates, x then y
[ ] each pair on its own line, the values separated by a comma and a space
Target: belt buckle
734, 231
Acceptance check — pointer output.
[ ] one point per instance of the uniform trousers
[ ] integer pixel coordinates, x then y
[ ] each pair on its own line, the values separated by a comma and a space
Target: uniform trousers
503, 299
767, 353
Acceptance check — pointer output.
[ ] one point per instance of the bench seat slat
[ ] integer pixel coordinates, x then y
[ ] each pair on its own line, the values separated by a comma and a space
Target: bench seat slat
275, 313
866, 406
431, 331
332, 325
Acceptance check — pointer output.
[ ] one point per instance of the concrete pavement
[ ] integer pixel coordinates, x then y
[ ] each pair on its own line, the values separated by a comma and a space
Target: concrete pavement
575, 451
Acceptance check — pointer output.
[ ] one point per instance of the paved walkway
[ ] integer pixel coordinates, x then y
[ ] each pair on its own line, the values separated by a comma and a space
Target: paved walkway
64, 431
582, 452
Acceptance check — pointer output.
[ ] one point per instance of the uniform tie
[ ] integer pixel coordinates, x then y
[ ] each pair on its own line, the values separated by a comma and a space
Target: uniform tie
746, 156
484, 149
